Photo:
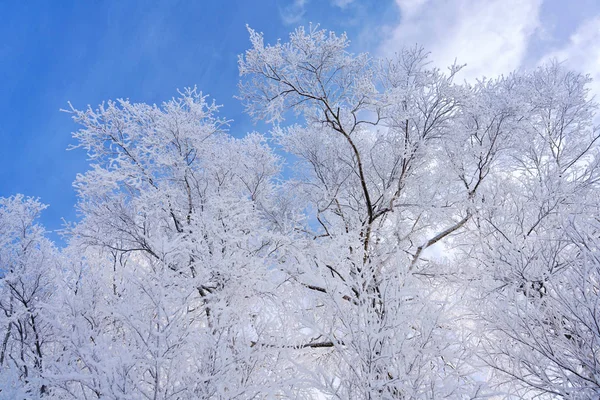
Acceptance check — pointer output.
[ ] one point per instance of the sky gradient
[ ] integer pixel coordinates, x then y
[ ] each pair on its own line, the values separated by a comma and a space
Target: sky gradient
90, 51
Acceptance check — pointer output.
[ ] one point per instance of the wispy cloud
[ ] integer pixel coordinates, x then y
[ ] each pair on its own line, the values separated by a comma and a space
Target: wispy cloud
341, 3
292, 13
491, 37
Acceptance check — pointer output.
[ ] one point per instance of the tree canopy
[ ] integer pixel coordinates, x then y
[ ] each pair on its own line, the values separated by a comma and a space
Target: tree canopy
427, 239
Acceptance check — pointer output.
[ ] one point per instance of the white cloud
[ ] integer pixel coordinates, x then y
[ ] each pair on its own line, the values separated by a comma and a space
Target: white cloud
582, 52
490, 36
342, 3
293, 13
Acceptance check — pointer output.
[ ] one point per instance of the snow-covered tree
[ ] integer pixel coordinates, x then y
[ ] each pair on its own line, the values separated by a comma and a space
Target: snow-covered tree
431, 239
392, 157
175, 254
537, 236
28, 263
396, 158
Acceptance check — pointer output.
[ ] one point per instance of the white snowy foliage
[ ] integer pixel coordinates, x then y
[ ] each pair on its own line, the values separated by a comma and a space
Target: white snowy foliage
432, 240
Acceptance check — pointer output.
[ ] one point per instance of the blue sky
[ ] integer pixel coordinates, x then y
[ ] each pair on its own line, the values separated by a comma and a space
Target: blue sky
52, 52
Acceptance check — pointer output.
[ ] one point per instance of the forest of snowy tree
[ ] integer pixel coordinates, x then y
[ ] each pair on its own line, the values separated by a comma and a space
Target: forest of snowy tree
396, 234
